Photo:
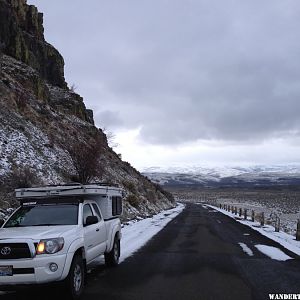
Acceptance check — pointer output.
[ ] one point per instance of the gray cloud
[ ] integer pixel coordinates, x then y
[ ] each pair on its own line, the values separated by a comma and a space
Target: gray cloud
184, 70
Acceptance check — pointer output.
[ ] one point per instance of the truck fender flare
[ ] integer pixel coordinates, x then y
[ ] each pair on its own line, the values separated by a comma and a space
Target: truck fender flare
77, 246
115, 232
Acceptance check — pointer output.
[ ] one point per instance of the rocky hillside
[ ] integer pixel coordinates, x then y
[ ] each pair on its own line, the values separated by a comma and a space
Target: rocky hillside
41, 118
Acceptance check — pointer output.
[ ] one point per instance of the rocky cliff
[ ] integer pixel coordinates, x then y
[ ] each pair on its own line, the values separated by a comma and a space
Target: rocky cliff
22, 37
40, 117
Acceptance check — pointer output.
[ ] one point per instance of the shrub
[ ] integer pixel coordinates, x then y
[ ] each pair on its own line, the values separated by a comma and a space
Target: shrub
133, 200
86, 160
129, 185
22, 177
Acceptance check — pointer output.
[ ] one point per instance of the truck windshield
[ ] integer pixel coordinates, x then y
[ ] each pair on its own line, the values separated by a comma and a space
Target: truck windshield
44, 215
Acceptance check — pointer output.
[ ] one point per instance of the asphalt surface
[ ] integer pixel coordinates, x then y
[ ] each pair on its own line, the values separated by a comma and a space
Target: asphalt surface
196, 256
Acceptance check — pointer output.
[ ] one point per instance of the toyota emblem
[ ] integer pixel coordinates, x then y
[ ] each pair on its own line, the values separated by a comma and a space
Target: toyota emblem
5, 250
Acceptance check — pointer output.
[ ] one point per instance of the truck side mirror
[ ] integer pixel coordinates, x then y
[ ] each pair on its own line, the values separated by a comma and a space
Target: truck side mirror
1, 222
90, 220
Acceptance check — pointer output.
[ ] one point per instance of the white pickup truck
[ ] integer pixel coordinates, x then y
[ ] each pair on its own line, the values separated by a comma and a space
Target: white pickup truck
57, 232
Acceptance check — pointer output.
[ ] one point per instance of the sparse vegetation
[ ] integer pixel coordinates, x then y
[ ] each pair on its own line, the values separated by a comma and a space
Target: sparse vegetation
22, 177
133, 200
46, 126
86, 161
129, 185
275, 201
73, 87
166, 193
111, 138
18, 177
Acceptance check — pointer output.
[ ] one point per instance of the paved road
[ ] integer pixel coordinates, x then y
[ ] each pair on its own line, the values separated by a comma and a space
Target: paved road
196, 256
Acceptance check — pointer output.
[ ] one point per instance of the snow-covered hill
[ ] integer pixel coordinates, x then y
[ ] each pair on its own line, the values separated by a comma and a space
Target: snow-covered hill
226, 175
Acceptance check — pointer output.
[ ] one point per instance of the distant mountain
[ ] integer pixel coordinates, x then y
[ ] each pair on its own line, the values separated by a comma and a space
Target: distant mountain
225, 176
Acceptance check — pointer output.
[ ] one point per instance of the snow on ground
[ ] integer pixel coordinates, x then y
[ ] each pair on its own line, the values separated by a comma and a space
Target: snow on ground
286, 208
286, 240
273, 252
246, 249
137, 233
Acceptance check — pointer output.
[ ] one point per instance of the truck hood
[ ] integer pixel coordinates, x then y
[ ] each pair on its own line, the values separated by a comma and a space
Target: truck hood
37, 232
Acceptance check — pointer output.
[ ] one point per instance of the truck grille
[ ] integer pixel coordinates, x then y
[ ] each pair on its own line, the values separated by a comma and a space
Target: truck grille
14, 251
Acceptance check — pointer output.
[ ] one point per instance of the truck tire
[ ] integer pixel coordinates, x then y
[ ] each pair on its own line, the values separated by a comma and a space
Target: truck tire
112, 257
76, 278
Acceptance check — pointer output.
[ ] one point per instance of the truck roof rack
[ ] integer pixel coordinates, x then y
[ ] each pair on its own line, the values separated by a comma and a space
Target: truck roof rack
80, 184
67, 190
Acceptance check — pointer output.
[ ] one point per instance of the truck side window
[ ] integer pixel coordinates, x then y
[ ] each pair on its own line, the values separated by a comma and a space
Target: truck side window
97, 211
87, 211
116, 206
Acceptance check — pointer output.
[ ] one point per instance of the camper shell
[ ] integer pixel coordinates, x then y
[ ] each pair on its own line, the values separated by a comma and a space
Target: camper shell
41, 244
108, 198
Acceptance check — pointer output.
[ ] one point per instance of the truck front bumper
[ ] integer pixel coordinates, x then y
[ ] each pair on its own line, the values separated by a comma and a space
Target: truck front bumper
33, 271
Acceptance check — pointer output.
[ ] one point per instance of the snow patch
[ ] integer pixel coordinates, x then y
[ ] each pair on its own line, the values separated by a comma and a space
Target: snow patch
137, 233
286, 240
273, 252
246, 249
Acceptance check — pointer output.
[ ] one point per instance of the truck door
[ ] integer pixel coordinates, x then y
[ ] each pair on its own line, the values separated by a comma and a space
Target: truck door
91, 242
101, 233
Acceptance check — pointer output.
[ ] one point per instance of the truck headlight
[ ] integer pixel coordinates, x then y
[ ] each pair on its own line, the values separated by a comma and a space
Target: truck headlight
50, 246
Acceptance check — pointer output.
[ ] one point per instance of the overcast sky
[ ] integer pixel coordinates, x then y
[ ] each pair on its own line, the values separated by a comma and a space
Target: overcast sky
186, 81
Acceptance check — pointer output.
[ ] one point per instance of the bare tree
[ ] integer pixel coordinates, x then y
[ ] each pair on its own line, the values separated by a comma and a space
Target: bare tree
111, 138
86, 160
73, 87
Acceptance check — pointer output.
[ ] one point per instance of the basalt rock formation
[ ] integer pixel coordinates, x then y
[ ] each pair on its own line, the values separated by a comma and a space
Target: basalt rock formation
40, 117
22, 37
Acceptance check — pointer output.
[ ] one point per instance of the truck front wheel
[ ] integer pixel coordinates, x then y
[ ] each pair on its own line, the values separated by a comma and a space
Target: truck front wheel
76, 278
112, 257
